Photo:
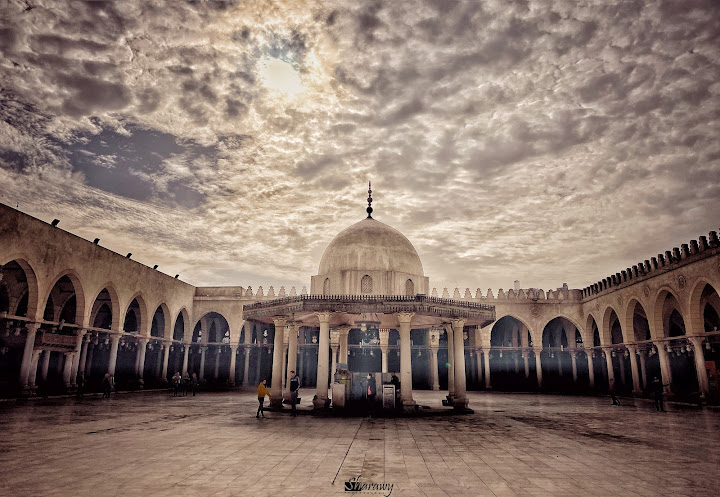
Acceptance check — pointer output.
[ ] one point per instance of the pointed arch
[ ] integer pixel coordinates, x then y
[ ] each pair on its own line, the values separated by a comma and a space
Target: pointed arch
33, 304
696, 309
660, 315
141, 310
636, 321
183, 319
78, 289
157, 328
108, 287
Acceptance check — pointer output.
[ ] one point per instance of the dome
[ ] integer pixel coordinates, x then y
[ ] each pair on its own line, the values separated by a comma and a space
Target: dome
370, 246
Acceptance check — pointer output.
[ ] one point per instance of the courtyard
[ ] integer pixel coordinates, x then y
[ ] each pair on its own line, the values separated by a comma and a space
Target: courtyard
514, 444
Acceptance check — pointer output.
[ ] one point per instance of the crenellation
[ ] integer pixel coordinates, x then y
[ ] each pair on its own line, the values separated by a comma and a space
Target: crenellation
281, 293
713, 241
694, 247
702, 243
478, 294
501, 294
685, 250
434, 293
456, 294
293, 292
445, 293
676, 254
490, 294
271, 291
259, 292
304, 291
521, 294
468, 295
654, 262
648, 268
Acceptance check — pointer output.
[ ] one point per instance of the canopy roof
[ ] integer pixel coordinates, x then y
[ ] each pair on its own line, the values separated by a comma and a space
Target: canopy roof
351, 310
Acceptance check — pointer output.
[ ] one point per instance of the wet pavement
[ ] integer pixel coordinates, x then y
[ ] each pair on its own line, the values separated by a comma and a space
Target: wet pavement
514, 444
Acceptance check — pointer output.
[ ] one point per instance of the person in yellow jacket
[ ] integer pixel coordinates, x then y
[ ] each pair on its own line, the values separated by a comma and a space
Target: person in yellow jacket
262, 392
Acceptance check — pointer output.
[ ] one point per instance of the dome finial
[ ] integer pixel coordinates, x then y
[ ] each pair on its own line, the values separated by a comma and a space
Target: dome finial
369, 207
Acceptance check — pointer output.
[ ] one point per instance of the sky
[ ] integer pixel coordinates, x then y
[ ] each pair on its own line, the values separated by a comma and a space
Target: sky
543, 141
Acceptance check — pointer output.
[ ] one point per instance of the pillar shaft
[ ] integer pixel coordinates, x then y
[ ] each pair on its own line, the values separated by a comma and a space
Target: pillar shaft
527, 365
321, 388
82, 365
166, 358
27, 355
186, 353
538, 367
405, 359
343, 358
217, 352
142, 349
76, 356
334, 351
451, 360
285, 372
203, 351
277, 364
293, 349
67, 368
89, 360
486, 365
609, 363
634, 368
233, 360
573, 358
246, 368
665, 370
703, 383
621, 363
643, 369
34, 367
112, 361
460, 399
384, 358
434, 376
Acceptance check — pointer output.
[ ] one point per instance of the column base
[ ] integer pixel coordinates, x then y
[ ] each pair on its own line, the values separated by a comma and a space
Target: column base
321, 402
460, 403
276, 403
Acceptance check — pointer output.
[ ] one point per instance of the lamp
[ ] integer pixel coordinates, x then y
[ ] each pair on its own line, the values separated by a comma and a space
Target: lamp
155, 266
54, 223
96, 241
128, 255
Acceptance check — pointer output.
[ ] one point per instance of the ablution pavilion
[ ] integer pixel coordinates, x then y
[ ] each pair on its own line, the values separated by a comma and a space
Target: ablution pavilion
71, 306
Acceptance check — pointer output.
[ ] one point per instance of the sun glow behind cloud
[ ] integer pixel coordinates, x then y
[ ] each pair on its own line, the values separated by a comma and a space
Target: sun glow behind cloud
279, 76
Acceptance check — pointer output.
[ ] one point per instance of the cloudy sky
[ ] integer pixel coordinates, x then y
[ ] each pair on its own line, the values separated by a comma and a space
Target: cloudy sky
545, 141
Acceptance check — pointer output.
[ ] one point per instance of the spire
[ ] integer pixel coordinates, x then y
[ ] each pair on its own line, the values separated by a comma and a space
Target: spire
369, 207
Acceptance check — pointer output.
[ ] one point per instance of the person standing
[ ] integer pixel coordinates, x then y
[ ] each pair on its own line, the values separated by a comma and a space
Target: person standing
657, 391
176, 380
371, 393
194, 383
185, 383
294, 387
107, 386
262, 391
615, 400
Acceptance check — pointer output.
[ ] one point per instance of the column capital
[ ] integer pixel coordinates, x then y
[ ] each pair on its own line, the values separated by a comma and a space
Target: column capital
458, 324
384, 335
343, 330
434, 338
334, 338
324, 317
404, 317
280, 322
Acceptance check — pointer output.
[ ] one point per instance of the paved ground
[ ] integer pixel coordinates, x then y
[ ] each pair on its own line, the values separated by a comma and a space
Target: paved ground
156, 445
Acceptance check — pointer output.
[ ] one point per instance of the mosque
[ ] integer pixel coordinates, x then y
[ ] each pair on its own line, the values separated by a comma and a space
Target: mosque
70, 306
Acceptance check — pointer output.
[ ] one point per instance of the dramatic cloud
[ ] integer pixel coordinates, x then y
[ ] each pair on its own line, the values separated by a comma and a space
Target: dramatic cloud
545, 141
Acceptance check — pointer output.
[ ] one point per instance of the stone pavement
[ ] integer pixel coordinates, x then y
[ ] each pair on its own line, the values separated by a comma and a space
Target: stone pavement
152, 444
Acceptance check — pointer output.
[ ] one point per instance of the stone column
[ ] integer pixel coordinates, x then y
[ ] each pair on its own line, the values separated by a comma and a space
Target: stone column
634, 367
157, 371
609, 363
34, 367
203, 351
334, 346
186, 352
451, 360
45, 365
293, 348
384, 341
285, 372
321, 389
218, 352
486, 360
27, 356
643, 368
621, 363
83, 355
67, 369
233, 360
277, 365
703, 383
89, 360
573, 358
460, 400
665, 370
526, 362
591, 368
142, 349
114, 342
434, 340
405, 359
247, 348
538, 365
76, 356
259, 352
344, 331
166, 358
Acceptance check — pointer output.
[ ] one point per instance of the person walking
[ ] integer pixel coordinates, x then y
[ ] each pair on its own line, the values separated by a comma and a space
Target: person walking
80, 382
262, 391
371, 393
176, 380
107, 386
194, 383
185, 383
656, 388
294, 387
615, 400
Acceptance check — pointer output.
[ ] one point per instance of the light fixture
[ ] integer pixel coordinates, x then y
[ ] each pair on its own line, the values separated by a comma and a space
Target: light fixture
96, 241
707, 346
177, 276
128, 255
54, 223
155, 266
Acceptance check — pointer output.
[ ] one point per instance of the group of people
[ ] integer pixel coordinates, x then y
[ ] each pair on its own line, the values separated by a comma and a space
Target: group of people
181, 384
262, 391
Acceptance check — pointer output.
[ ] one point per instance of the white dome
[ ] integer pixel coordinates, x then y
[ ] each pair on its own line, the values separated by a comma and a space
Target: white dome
370, 246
